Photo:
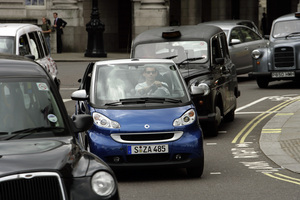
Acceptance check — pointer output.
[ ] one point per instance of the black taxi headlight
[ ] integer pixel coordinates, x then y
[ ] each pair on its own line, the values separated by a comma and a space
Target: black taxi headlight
256, 54
103, 183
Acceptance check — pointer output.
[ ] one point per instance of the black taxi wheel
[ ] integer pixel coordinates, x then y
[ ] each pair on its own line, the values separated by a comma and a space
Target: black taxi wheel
262, 82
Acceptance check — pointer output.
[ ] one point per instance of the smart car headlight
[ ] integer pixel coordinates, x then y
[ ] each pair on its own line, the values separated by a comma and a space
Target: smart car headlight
103, 183
256, 54
104, 121
187, 118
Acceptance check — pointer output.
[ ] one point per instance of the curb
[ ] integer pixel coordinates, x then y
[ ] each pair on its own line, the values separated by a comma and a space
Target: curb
280, 138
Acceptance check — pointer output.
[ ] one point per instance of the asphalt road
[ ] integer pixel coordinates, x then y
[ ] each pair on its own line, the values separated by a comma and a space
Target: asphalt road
235, 167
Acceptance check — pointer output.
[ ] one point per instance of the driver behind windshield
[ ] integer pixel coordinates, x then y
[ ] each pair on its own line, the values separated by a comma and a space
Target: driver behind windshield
151, 86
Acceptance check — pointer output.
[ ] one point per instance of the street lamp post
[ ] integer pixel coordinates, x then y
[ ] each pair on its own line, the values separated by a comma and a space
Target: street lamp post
95, 29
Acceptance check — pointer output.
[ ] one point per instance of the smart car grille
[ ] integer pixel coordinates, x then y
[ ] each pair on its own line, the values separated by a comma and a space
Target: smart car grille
284, 57
138, 137
147, 137
31, 186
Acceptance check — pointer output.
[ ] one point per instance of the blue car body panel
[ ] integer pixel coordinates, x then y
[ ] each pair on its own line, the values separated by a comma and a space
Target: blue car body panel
134, 121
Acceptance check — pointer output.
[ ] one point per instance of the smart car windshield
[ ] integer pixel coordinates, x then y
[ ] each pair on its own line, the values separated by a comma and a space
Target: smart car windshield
138, 83
286, 28
28, 106
179, 50
7, 45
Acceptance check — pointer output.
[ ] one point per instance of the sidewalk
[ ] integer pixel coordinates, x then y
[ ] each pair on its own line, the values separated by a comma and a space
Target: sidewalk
280, 137
79, 57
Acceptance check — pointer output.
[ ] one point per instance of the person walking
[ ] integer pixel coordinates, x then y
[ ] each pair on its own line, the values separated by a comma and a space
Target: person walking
59, 24
46, 29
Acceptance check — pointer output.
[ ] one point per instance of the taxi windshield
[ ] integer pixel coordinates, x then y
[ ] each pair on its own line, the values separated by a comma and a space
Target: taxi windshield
286, 28
138, 83
28, 106
178, 51
7, 45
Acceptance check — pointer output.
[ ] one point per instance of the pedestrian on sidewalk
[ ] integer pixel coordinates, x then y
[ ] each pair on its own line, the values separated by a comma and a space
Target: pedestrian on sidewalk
46, 29
59, 24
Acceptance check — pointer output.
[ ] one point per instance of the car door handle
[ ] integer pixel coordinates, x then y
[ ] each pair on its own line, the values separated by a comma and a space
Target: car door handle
246, 48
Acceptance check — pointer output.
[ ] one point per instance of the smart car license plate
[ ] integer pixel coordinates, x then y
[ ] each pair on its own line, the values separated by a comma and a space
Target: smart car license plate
282, 74
148, 149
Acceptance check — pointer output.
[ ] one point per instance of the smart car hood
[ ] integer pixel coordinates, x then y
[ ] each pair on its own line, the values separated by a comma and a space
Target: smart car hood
35, 155
154, 119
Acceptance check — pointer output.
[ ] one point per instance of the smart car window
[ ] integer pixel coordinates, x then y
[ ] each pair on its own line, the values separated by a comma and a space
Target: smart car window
118, 82
27, 104
24, 48
7, 45
36, 45
284, 28
178, 50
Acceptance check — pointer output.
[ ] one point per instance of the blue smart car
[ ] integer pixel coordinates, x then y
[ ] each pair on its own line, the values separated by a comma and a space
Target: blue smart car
143, 115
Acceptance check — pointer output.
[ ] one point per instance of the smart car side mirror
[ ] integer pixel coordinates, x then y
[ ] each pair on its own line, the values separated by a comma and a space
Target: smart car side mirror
82, 122
79, 95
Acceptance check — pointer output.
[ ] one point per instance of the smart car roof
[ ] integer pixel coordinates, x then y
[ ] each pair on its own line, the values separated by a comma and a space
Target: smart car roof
18, 66
195, 32
10, 29
134, 60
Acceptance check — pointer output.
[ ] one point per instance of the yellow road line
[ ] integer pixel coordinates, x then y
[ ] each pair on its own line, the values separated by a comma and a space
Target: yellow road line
258, 119
278, 130
285, 114
285, 178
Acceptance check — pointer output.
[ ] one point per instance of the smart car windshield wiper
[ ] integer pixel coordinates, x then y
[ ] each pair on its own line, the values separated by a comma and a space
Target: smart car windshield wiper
28, 131
293, 34
143, 100
171, 57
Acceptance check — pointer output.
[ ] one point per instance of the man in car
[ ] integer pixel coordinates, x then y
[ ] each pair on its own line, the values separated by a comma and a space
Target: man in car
151, 86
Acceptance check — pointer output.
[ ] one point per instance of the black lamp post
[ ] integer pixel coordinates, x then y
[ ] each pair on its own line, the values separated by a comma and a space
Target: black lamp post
95, 29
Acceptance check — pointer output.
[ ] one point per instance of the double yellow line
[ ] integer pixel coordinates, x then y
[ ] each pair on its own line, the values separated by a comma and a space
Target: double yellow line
243, 134
284, 178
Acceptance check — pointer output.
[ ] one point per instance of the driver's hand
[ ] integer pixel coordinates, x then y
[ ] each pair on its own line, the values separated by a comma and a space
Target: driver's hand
157, 84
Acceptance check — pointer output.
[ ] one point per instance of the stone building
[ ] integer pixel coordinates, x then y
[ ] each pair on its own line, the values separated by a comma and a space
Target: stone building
124, 19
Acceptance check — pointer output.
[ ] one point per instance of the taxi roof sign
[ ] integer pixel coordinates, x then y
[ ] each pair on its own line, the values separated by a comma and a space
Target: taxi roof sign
171, 34
297, 14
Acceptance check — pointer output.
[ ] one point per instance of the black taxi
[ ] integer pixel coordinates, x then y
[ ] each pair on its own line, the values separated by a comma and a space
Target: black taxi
41, 156
201, 52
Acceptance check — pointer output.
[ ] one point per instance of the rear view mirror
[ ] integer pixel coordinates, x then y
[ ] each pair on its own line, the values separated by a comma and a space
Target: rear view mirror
82, 122
235, 41
79, 95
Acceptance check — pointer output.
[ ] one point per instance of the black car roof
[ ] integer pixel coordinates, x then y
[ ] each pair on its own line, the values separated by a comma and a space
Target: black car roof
11, 65
195, 32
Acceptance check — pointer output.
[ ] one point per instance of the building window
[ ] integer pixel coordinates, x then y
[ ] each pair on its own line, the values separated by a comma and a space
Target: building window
34, 2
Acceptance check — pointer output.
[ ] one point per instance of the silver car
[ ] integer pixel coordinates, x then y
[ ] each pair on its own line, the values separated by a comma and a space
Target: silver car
241, 42
280, 59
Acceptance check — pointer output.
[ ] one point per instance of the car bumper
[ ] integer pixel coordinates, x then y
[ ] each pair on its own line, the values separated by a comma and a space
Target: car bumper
187, 151
269, 74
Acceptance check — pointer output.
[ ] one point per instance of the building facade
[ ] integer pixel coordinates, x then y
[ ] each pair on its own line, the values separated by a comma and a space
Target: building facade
125, 19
